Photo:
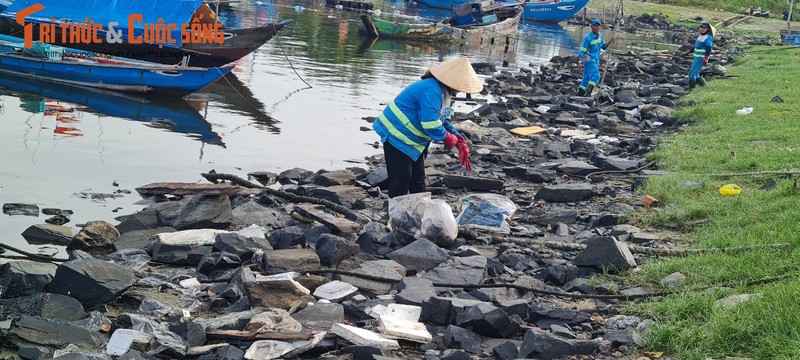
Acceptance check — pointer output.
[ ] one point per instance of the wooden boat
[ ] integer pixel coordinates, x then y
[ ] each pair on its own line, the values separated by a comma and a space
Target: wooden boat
70, 66
478, 22
237, 42
170, 114
549, 11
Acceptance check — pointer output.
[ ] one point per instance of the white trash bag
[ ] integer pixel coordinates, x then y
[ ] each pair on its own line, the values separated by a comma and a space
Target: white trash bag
417, 216
744, 111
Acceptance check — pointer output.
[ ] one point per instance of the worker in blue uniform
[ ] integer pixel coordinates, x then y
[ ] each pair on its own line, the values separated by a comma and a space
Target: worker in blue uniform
591, 46
419, 115
701, 51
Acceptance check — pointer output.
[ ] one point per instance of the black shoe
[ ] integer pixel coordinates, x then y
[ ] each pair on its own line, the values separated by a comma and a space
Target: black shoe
581, 92
589, 90
692, 82
701, 81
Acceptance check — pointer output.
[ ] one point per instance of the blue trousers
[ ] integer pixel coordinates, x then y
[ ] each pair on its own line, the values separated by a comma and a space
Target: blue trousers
591, 74
694, 74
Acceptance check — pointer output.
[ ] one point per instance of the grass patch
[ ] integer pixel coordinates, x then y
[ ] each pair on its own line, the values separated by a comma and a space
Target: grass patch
718, 141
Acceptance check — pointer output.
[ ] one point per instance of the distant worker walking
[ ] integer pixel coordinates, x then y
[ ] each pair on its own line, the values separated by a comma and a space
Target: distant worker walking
589, 55
419, 115
701, 51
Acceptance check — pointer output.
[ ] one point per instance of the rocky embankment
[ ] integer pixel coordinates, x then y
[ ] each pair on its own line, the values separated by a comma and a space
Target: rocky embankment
308, 267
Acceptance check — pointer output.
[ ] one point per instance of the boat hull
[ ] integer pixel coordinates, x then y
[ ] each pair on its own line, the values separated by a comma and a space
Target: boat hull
549, 11
129, 78
443, 32
237, 44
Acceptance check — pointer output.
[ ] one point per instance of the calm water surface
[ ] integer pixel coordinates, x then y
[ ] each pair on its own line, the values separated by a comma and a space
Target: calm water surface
59, 142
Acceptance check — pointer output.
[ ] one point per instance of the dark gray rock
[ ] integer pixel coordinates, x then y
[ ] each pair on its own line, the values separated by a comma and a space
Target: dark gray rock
320, 316
341, 194
253, 213
488, 320
21, 278
43, 305
615, 163
242, 246
48, 234
577, 168
372, 236
205, 212
287, 237
265, 178
294, 175
565, 192
217, 261
192, 332
92, 282
414, 291
378, 178
461, 338
332, 249
333, 178
444, 310
627, 337
506, 351
20, 209
472, 183
580, 285
290, 259
420, 255
179, 254
45, 332
605, 252
540, 176
140, 239
453, 354
459, 270
545, 316
35, 352
166, 212
553, 217
142, 220
540, 344
382, 268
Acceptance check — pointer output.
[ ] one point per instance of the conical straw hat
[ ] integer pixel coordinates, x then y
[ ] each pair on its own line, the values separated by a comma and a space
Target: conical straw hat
458, 74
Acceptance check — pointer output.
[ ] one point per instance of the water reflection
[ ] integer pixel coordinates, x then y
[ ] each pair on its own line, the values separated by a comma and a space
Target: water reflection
66, 103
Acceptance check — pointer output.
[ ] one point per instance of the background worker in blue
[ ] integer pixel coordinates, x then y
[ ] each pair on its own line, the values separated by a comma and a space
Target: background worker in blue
589, 56
418, 116
701, 51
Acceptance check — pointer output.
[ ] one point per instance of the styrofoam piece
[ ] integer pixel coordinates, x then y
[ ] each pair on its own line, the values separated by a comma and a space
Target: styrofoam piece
404, 312
282, 276
377, 310
190, 237
397, 328
190, 282
120, 342
253, 231
363, 337
335, 291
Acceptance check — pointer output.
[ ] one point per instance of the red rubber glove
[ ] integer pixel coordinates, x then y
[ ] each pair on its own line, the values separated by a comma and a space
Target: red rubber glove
463, 154
705, 60
686, 53
450, 140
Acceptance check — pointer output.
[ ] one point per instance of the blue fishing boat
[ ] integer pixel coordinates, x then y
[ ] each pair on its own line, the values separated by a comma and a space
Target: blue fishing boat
548, 11
175, 115
75, 67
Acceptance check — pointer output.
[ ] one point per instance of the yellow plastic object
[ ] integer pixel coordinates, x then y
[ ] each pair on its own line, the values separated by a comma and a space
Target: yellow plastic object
730, 190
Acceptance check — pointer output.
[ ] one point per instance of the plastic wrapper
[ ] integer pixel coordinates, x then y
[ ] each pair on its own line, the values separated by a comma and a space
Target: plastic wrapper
486, 212
417, 216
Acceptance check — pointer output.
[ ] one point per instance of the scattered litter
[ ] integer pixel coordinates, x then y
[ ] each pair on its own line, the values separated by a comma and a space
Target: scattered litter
744, 111
730, 190
770, 185
486, 211
777, 99
528, 130
650, 201
121, 340
417, 216
363, 337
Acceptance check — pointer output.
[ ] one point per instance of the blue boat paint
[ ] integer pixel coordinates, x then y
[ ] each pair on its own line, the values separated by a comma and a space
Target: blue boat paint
553, 11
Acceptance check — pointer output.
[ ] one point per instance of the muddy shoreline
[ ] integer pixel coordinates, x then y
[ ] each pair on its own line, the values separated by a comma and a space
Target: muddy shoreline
301, 263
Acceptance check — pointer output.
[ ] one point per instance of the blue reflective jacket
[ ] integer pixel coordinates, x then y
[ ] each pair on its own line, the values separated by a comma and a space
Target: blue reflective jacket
592, 44
703, 45
414, 118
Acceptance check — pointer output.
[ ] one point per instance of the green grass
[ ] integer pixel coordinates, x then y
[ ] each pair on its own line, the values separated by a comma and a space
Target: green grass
716, 140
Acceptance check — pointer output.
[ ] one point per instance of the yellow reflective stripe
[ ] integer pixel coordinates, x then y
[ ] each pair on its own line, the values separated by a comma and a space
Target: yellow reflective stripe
407, 123
702, 51
398, 134
584, 49
596, 41
592, 83
431, 124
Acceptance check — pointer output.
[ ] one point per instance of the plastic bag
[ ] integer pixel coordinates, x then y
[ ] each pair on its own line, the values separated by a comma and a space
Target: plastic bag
417, 216
274, 320
730, 190
744, 111
487, 212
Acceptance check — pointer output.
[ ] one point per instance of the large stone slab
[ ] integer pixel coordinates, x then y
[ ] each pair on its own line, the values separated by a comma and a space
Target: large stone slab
205, 212
565, 192
45, 332
291, 259
605, 252
381, 268
252, 212
473, 183
461, 270
91, 281
420, 255
335, 223
341, 194
21, 278
47, 234
95, 235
